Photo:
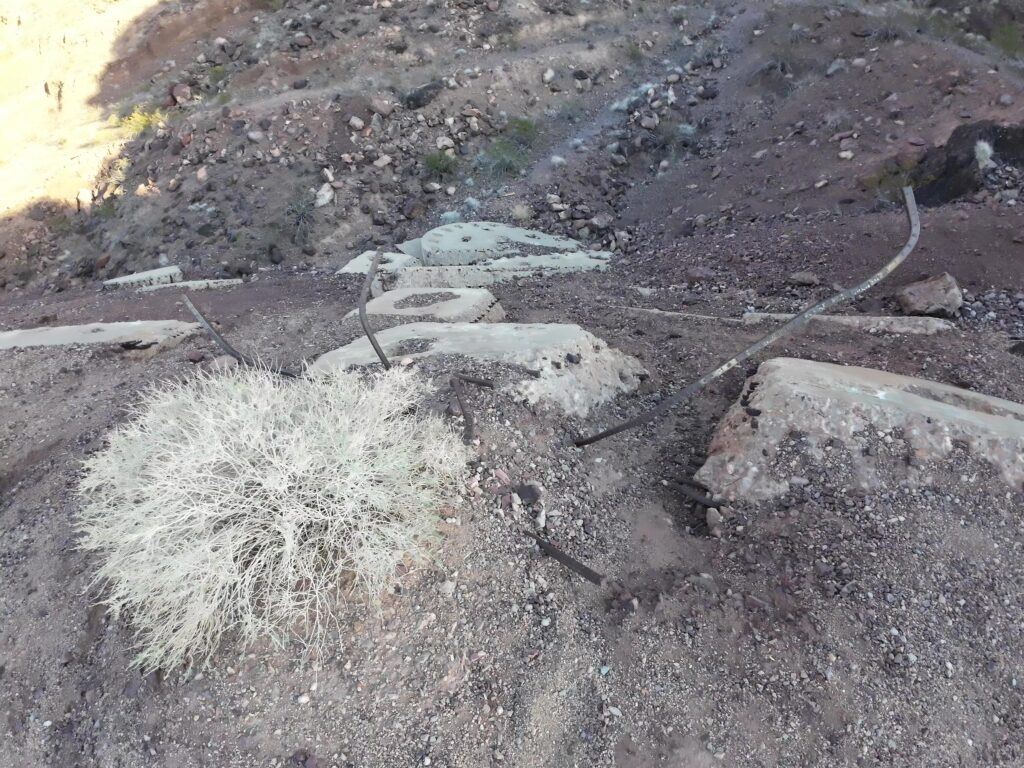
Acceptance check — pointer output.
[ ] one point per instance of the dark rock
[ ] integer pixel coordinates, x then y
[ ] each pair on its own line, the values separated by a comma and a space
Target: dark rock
939, 295
419, 97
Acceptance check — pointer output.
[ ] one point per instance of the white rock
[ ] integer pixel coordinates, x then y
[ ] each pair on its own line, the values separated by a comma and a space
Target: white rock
324, 195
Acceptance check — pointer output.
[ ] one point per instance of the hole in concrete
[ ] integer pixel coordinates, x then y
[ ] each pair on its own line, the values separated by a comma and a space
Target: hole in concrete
425, 299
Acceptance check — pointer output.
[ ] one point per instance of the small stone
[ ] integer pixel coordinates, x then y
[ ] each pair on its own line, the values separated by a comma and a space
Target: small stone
255, 136
421, 96
838, 65
846, 155
548, 76
530, 493
356, 123
713, 518
1005, 100
804, 278
324, 195
299, 84
303, 699
381, 107
181, 93
382, 161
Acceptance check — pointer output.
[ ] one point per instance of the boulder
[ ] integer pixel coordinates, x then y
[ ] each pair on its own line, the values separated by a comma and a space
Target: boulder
938, 295
797, 417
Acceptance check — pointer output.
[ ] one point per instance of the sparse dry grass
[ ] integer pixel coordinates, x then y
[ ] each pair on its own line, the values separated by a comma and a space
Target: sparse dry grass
251, 505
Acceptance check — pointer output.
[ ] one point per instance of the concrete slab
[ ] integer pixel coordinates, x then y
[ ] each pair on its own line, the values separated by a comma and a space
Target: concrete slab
194, 285
149, 277
574, 370
476, 254
501, 270
479, 241
839, 411
389, 263
141, 332
454, 305
913, 326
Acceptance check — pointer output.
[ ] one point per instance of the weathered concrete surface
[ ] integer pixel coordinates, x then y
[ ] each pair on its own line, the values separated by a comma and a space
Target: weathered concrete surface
476, 254
914, 326
840, 411
501, 270
159, 276
141, 332
452, 305
194, 285
477, 241
389, 263
573, 369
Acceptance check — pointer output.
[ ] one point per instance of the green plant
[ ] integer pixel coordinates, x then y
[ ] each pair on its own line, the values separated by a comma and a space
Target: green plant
300, 214
440, 164
1009, 38
504, 158
217, 75
106, 208
634, 52
248, 503
523, 131
140, 119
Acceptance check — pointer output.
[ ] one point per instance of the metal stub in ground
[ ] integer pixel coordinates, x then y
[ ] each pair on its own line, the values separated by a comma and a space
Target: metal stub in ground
139, 332
573, 370
475, 254
840, 413
161, 276
452, 305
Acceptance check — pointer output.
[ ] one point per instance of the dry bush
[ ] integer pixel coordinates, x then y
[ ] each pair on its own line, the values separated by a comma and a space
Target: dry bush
251, 504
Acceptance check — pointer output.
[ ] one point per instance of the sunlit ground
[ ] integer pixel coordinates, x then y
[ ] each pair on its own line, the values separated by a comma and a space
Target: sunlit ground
53, 55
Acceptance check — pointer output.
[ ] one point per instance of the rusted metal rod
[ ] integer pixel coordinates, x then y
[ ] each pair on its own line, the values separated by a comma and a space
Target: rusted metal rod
787, 329
227, 348
568, 561
362, 310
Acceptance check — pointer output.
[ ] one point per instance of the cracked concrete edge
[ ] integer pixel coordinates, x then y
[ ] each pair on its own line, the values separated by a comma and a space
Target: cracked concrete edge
163, 275
852, 405
193, 285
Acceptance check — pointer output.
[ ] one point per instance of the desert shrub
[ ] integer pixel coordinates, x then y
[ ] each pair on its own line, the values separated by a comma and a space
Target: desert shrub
250, 504
300, 213
141, 119
1009, 38
522, 131
440, 164
504, 158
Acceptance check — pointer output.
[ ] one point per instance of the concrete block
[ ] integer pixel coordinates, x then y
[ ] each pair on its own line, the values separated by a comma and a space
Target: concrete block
159, 276
141, 332
572, 370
